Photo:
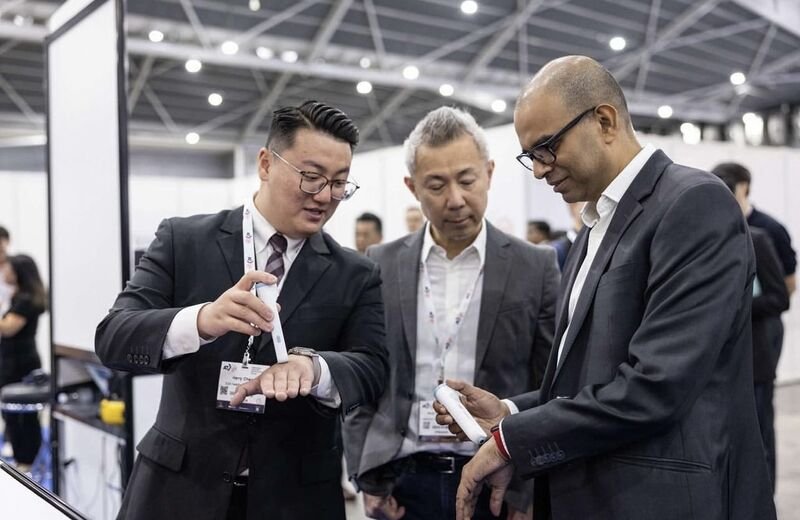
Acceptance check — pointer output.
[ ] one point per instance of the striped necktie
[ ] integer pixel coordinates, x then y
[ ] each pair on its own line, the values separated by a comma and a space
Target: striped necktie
275, 262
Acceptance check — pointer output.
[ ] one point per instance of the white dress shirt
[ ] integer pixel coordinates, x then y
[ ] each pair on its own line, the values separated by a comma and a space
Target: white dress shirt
597, 216
184, 338
450, 280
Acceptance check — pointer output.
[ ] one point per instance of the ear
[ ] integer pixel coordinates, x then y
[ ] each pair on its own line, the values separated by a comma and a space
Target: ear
409, 182
264, 163
490, 170
610, 122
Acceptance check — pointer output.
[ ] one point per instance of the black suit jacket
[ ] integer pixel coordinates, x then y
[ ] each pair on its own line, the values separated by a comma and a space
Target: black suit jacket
650, 413
330, 301
515, 332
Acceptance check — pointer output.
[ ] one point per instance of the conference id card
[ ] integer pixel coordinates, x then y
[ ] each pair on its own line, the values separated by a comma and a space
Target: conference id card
429, 430
233, 374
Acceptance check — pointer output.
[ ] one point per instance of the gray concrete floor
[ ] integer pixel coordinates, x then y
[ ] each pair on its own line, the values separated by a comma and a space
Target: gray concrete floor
787, 498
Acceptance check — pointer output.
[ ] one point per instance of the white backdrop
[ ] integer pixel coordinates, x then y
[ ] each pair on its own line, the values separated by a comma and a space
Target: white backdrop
515, 197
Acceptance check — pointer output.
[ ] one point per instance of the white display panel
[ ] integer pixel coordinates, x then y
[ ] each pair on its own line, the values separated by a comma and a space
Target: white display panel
20, 501
86, 233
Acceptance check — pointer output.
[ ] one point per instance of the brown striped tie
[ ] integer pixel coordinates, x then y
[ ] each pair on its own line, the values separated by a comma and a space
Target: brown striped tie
275, 262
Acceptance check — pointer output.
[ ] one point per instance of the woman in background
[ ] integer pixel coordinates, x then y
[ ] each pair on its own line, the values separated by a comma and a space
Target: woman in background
18, 355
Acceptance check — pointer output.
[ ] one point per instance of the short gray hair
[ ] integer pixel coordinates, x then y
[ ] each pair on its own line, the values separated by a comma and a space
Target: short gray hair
440, 127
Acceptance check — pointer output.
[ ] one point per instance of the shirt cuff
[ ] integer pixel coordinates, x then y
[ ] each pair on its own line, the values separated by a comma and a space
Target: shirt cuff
325, 391
512, 407
183, 337
500, 440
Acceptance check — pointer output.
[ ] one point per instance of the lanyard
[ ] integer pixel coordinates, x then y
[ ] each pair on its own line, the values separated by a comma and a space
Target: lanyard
249, 248
436, 325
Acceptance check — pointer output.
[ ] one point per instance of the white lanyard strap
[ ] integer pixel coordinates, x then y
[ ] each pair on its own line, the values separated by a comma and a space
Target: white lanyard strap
249, 249
445, 342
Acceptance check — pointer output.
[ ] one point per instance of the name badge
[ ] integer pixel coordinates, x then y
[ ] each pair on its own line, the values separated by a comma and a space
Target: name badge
429, 430
233, 374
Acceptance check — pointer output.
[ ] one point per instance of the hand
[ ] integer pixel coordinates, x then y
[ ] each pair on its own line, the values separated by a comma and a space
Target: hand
513, 514
487, 409
487, 465
237, 310
383, 508
281, 381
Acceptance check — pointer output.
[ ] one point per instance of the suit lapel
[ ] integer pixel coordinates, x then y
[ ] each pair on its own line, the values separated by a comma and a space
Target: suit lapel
229, 240
627, 210
408, 261
497, 269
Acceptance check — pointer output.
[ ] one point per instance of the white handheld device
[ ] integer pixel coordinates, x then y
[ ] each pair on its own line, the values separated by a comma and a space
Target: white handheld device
451, 400
269, 295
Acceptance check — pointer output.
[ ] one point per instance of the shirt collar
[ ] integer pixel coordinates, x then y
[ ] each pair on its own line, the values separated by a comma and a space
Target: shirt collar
594, 211
479, 244
263, 231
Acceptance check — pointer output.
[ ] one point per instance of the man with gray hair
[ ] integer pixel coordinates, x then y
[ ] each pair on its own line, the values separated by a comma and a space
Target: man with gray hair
463, 301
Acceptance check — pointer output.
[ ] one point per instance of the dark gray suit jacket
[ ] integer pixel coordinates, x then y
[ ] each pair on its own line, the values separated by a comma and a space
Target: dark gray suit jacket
651, 412
330, 301
515, 332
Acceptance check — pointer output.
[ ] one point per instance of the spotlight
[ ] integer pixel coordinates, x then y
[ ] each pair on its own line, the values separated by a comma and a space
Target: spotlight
214, 99
617, 43
364, 87
446, 90
410, 72
192, 138
738, 78
193, 65
156, 36
665, 111
469, 7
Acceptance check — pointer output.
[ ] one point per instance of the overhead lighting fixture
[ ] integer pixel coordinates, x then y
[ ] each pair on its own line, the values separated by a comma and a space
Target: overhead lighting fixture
254, 5
665, 111
498, 105
215, 99
19, 20
738, 78
691, 133
364, 87
446, 90
155, 36
193, 65
229, 47
192, 138
410, 72
469, 7
265, 53
364, 62
617, 43
289, 56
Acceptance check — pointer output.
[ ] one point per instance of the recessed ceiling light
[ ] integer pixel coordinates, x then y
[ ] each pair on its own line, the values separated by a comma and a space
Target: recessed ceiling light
19, 20
410, 72
665, 111
749, 118
469, 7
192, 138
617, 43
254, 5
193, 65
215, 99
229, 47
265, 53
738, 78
289, 56
498, 105
365, 62
364, 87
446, 89
156, 36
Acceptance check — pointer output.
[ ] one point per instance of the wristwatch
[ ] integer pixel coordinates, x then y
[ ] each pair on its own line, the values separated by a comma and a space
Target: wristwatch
309, 352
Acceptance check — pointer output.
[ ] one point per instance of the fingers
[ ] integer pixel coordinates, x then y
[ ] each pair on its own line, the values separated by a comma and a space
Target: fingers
247, 281
496, 500
461, 386
243, 390
287, 380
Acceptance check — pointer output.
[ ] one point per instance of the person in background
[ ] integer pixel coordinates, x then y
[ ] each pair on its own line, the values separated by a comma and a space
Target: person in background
538, 232
770, 299
414, 219
5, 289
457, 281
646, 409
563, 244
18, 355
369, 231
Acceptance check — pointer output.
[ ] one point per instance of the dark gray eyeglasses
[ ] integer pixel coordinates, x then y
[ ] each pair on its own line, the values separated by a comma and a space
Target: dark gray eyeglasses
545, 152
313, 183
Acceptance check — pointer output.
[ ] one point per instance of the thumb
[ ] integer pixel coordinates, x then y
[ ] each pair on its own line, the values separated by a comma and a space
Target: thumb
461, 386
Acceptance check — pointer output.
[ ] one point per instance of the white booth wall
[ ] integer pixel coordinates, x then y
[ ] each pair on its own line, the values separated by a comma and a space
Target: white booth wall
514, 198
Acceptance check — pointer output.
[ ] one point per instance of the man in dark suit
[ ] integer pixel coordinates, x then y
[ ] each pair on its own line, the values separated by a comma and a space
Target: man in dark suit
646, 409
458, 267
188, 313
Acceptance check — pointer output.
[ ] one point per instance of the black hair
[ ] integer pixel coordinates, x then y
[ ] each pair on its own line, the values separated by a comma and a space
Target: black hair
312, 115
4, 234
541, 225
371, 217
731, 174
29, 282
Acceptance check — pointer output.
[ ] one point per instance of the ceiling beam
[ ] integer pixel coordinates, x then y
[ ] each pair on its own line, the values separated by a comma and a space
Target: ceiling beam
18, 100
783, 13
630, 60
161, 111
375, 32
387, 110
139, 82
328, 28
644, 61
197, 25
715, 34
274, 20
265, 105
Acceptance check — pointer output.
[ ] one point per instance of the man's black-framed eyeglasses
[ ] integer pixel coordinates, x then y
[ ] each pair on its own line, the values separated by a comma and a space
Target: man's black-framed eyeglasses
313, 183
545, 152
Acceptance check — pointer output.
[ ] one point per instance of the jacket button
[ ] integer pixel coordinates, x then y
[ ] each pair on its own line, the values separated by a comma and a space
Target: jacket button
402, 432
129, 357
411, 396
226, 477
147, 359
